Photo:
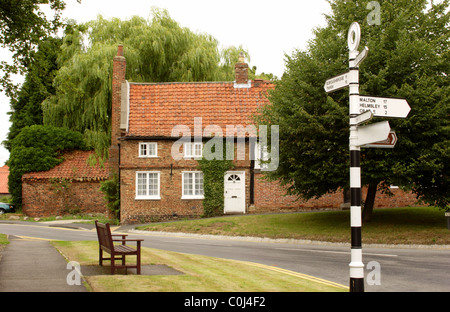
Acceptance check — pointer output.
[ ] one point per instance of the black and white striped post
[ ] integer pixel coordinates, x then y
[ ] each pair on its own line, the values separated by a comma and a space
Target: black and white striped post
356, 264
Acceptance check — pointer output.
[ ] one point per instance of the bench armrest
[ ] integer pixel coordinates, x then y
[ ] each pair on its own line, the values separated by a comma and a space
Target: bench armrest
127, 240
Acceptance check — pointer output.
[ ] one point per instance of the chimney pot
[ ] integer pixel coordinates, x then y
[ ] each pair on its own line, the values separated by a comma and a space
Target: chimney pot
241, 57
241, 70
120, 50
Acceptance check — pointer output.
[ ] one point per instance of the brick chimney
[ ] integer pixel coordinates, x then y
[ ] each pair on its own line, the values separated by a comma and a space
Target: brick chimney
241, 70
119, 71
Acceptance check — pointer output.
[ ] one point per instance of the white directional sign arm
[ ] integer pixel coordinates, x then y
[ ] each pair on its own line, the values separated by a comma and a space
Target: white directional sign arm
337, 83
372, 133
361, 57
384, 107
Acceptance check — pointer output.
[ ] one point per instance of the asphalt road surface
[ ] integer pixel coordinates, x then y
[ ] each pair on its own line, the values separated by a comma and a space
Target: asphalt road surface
387, 269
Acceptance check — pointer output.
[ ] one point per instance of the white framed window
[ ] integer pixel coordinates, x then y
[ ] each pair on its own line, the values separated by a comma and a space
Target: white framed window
193, 150
148, 149
192, 184
261, 154
147, 185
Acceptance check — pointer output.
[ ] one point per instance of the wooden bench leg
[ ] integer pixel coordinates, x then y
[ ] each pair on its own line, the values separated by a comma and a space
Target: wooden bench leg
138, 258
112, 265
100, 257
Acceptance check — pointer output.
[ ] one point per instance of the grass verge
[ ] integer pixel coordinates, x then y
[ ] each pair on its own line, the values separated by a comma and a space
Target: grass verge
3, 242
412, 225
201, 274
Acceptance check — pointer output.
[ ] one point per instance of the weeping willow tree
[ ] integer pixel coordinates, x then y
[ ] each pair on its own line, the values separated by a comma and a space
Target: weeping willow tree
157, 50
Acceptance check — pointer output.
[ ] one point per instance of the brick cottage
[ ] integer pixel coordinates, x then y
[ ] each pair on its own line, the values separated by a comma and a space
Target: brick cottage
159, 130
158, 171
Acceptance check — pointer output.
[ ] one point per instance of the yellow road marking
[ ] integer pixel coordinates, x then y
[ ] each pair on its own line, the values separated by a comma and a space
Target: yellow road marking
29, 238
296, 274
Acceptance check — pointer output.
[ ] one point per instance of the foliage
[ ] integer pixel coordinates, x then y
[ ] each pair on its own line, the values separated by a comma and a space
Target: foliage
38, 148
26, 105
23, 25
156, 50
213, 181
408, 58
111, 189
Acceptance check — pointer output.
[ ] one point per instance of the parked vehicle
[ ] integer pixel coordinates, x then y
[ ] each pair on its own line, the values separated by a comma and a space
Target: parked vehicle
4, 208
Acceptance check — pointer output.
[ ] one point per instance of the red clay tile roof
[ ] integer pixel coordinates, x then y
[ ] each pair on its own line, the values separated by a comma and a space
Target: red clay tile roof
74, 166
4, 173
156, 108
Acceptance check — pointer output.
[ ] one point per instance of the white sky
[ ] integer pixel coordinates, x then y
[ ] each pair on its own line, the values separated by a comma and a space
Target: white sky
267, 29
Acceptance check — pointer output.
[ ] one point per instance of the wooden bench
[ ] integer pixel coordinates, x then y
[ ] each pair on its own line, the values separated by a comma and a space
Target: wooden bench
106, 243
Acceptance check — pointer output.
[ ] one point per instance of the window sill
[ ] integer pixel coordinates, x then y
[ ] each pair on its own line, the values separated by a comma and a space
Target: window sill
192, 197
148, 198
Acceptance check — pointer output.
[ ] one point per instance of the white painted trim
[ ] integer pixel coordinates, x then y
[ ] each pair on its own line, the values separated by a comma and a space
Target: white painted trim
148, 156
355, 216
193, 196
247, 85
148, 197
355, 174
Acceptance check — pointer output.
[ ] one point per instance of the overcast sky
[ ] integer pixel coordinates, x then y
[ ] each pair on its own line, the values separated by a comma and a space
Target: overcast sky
267, 29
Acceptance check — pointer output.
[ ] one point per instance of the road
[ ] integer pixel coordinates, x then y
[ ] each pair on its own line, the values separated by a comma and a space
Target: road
394, 270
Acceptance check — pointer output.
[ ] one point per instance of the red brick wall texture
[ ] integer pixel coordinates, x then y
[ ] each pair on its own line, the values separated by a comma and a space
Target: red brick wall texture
270, 197
44, 198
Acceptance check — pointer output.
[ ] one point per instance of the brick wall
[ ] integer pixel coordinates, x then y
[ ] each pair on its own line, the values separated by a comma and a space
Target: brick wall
270, 197
171, 206
41, 198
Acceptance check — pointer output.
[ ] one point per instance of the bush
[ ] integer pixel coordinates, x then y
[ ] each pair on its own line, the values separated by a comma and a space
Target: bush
111, 190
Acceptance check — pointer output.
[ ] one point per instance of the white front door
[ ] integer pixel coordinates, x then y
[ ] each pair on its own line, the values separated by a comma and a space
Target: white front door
234, 192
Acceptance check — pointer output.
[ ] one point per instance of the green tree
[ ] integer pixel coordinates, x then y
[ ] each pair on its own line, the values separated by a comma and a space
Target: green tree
23, 25
157, 50
38, 148
408, 58
26, 106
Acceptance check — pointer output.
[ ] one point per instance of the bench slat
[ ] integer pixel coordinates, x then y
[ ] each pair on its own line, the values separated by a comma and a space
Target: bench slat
124, 249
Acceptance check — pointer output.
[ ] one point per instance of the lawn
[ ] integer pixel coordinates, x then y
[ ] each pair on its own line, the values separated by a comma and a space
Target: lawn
200, 274
411, 225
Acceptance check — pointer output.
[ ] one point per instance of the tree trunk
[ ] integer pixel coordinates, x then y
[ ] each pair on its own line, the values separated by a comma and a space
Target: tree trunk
369, 203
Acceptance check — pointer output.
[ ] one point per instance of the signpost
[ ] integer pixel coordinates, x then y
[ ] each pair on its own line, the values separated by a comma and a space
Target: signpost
336, 83
373, 133
384, 107
388, 143
361, 57
361, 109
366, 116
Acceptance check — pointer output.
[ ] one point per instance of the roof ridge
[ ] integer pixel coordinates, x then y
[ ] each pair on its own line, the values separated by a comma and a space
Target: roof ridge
195, 82
180, 82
